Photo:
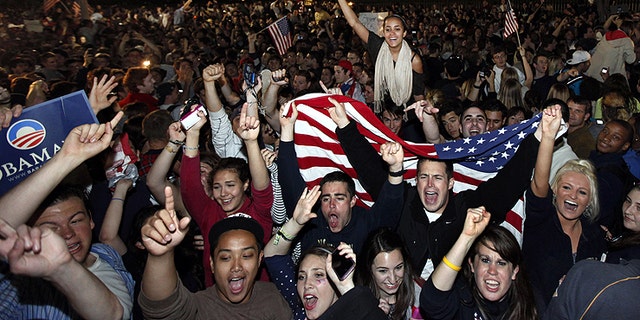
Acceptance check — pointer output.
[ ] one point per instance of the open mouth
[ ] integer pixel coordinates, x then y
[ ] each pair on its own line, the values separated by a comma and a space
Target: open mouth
309, 301
570, 205
430, 197
73, 248
236, 285
333, 220
492, 285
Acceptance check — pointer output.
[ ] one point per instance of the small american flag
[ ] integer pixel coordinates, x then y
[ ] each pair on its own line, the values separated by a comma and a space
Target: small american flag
49, 4
478, 158
281, 35
510, 23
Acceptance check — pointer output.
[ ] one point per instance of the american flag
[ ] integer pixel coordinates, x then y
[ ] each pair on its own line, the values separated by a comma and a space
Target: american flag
510, 23
49, 4
281, 35
76, 7
478, 158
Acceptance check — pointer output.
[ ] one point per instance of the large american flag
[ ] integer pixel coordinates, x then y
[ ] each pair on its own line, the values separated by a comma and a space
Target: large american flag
281, 35
510, 23
479, 158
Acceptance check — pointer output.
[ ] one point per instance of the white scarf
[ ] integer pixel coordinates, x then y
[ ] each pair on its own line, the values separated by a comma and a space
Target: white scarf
398, 80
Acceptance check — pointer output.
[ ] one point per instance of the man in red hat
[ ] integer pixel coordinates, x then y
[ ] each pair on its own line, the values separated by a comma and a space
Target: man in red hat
345, 81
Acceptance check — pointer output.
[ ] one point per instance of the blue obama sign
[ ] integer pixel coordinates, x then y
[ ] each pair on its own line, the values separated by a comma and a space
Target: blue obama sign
34, 137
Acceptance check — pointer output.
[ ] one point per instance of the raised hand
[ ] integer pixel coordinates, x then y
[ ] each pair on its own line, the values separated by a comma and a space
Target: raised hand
338, 113
551, 121
8, 237
99, 95
249, 126
175, 132
87, 140
393, 154
163, 231
421, 108
38, 252
476, 221
268, 156
6, 115
195, 129
212, 72
347, 284
279, 77
302, 213
287, 124
331, 90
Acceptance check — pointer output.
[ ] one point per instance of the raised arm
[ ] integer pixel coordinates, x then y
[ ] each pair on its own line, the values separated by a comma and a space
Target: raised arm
156, 178
248, 130
288, 168
354, 22
99, 96
43, 254
82, 143
160, 235
427, 113
210, 75
549, 125
113, 217
528, 73
281, 242
270, 98
445, 273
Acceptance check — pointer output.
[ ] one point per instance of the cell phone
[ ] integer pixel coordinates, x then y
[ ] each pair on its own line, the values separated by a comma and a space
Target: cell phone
604, 70
190, 119
414, 32
599, 121
249, 75
342, 265
482, 75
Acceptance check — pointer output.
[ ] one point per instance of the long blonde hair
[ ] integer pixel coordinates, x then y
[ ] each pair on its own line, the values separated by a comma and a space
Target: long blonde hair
511, 93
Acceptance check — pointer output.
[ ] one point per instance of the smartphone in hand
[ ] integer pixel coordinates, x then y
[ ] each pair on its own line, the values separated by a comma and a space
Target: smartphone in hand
342, 265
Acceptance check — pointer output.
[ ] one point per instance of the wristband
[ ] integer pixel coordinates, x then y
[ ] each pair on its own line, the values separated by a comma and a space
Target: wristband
170, 149
190, 148
477, 87
176, 142
285, 235
450, 265
117, 199
397, 173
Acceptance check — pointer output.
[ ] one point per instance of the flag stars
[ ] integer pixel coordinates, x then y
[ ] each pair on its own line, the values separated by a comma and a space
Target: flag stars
466, 140
508, 145
459, 150
493, 139
471, 150
446, 148
505, 155
492, 159
480, 141
479, 163
521, 135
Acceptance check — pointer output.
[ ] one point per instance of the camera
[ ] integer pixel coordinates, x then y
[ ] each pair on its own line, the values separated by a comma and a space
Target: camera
249, 75
604, 70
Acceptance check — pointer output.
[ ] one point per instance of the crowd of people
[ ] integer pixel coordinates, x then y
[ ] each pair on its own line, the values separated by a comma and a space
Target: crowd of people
148, 215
